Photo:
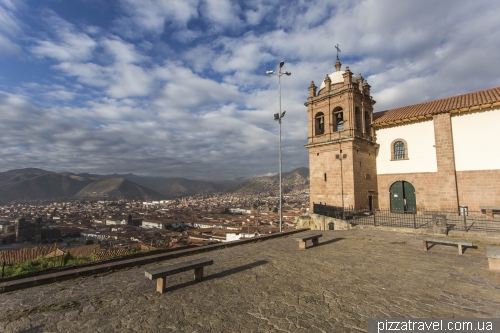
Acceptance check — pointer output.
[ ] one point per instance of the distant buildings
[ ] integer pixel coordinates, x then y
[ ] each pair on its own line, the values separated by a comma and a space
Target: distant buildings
194, 221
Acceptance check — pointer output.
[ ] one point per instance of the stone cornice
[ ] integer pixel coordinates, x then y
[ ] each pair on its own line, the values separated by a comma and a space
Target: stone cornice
342, 139
336, 92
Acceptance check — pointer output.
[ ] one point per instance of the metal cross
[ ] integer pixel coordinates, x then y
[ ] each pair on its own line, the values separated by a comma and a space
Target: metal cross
338, 50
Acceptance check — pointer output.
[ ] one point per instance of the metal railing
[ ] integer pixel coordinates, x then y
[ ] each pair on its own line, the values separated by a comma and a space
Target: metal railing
421, 219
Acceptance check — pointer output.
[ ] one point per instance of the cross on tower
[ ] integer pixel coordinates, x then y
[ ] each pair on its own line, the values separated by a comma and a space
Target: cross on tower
338, 50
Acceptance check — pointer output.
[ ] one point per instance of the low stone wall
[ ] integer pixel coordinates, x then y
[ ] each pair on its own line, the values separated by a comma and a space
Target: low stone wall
471, 235
320, 222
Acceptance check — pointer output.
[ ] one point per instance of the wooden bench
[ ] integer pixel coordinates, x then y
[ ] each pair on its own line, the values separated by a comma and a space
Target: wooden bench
303, 240
493, 255
447, 241
161, 273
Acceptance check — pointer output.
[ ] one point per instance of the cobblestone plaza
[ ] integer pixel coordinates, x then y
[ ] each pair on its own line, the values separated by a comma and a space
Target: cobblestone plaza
272, 286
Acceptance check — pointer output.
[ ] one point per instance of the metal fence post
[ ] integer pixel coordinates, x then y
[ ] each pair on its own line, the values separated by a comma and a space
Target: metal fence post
415, 220
374, 218
465, 223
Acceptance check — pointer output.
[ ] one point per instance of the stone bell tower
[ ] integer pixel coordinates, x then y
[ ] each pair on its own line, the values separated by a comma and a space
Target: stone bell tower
341, 142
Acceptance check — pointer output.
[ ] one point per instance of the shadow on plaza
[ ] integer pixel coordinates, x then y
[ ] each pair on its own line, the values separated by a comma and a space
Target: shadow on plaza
35, 329
218, 275
329, 241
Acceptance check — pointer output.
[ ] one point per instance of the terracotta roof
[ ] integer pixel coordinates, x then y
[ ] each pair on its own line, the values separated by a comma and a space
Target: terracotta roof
25, 254
444, 105
83, 251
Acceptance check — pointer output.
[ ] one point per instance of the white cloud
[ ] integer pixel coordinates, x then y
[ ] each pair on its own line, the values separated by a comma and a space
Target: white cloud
129, 80
121, 51
203, 107
7, 46
151, 16
9, 24
69, 44
222, 12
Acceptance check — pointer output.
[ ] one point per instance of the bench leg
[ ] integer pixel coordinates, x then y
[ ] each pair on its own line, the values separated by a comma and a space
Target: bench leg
315, 241
160, 284
460, 249
302, 245
425, 246
494, 264
198, 274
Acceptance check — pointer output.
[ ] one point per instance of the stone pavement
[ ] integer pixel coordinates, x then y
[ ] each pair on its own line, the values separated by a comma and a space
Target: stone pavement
272, 286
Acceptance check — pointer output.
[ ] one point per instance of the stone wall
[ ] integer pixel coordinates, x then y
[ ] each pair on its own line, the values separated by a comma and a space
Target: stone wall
320, 222
426, 189
475, 189
350, 181
479, 188
364, 174
447, 196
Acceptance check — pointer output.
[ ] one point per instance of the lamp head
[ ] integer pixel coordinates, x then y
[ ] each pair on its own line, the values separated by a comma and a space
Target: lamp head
287, 73
282, 63
269, 72
283, 114
276, 116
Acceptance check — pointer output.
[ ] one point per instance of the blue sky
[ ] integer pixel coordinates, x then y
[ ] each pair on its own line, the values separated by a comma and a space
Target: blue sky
177, 88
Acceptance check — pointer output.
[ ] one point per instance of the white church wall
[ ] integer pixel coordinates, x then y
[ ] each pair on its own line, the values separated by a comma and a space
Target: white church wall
420, 143
475, 140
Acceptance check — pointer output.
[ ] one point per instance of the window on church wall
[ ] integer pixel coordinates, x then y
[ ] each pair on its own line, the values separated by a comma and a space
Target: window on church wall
399, 150
319, 123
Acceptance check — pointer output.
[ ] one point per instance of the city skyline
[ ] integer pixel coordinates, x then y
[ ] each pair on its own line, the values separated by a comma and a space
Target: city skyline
178, 89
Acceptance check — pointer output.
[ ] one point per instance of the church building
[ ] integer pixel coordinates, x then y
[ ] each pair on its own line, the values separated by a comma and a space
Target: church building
436, 155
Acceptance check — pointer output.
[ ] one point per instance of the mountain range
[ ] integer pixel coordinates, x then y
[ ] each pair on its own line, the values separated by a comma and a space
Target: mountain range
295, 180
37, 185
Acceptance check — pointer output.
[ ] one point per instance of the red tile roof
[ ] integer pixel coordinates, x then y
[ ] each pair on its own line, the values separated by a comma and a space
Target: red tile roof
444, 105
25, 254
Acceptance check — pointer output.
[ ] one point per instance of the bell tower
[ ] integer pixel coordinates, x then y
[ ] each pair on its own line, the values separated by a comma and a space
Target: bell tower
341, 142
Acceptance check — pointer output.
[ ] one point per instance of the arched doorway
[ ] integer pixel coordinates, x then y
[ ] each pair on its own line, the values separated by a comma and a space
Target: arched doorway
403, 198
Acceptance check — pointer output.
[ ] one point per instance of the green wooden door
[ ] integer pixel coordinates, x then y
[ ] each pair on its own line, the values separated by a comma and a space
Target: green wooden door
403, 198
397, 198
409, 194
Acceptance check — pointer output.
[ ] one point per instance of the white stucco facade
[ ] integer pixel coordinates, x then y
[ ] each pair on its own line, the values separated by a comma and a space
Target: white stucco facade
475, 140
420, 145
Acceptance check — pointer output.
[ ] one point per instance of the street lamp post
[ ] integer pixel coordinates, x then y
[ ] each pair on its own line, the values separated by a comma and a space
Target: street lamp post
278, 117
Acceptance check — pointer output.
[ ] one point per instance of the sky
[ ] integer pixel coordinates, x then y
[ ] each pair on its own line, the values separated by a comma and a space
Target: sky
177, 88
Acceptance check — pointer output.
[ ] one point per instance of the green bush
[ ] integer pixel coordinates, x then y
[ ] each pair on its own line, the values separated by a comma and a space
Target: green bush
27, 267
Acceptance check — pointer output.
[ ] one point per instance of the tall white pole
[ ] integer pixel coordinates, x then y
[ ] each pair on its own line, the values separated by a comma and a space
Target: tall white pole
281, 196
278, 118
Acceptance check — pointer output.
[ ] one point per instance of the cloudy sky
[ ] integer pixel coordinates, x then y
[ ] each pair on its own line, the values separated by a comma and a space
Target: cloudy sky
177, 88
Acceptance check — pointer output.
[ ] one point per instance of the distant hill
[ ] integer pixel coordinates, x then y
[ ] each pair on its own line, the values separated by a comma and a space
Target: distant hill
25, 186
20, 174
117, 188
173, 187
295, 180
37, 185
